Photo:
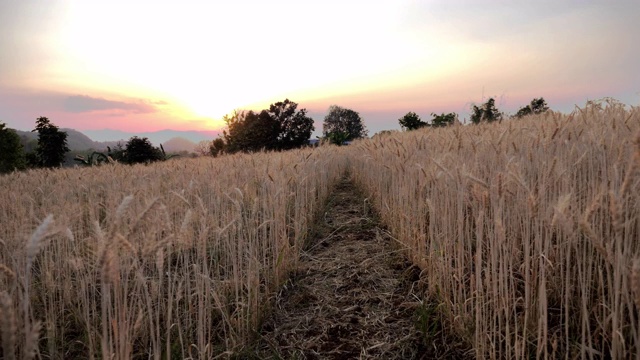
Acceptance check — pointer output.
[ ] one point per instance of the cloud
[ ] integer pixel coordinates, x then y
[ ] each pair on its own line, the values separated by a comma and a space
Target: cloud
83, 103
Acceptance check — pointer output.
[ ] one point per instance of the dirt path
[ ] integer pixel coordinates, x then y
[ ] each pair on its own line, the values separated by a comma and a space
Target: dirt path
351, 297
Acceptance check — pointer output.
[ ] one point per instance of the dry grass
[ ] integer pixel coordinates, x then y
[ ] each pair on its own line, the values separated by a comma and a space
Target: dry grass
527, 234
172, 260
352, 296
527, 231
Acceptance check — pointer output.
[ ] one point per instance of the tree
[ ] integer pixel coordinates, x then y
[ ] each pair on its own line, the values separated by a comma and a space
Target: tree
11, 150
295, 128
383, 133
486, 112
203, 148
52, 144
141, 151
281, 127
443, 119
537, 106
411, 121
337, 138
250, 131
217, 147
341, 120
117, 153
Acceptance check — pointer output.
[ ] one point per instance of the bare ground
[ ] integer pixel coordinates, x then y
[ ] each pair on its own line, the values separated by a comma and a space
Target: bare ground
352, 296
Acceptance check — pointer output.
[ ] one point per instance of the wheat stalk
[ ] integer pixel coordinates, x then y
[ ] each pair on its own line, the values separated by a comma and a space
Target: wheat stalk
8, 327
8, 273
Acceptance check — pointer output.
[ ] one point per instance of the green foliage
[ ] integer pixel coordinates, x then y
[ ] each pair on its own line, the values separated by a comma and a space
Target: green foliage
346, 121
486, 112
427, 320
141, 151
11, 150
337, 138
411, 121
537, 106
52, 144
281, 127
443, 119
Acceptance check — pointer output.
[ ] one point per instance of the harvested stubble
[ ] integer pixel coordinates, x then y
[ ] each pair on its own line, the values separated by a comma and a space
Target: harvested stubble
527, 231
169, 260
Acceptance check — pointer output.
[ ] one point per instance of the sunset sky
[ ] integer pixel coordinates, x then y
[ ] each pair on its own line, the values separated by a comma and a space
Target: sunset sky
150, 65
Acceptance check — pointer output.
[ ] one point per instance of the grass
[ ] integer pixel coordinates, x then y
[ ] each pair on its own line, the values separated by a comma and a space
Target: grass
170, 260
526, 231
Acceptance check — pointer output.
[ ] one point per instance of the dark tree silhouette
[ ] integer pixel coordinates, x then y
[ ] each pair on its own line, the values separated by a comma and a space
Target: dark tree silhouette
11, 150
250, 131
217, 147
141, 151
295, 127
486, 112
411, 121
281, 127
117, 153
537, 106
443, 119
346, 121
52, 144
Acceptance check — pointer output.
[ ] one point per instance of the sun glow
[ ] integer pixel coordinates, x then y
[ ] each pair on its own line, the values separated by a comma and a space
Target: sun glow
205, 57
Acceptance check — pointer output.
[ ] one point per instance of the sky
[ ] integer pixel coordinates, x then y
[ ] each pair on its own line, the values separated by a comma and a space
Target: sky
141, 66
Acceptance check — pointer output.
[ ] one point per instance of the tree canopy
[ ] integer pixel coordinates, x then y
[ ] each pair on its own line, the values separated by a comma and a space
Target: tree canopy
11, 150
52, 144
443, 119
250, 131
141, 151
337, 138
216, 147
486, 112
345, 121
411, 121
537, 106
295, 127
281, 127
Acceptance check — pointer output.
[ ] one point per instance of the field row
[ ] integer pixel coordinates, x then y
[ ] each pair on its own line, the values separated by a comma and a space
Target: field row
177, 259
527, 231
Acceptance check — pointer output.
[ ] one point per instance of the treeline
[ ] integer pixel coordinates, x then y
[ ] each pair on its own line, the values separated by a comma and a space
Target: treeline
49, 152
486, 112
283, 127
280, 127
136, 151
52, 147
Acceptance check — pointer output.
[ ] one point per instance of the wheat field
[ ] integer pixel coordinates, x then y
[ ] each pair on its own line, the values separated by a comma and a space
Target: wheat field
175, 260
527, 234
527, 231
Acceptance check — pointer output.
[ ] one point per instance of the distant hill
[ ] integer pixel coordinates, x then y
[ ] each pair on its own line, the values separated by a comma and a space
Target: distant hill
178, 144
156, 137
171, 140
76, 141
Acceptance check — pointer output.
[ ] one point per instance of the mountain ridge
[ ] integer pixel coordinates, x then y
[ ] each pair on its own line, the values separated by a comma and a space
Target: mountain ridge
99, 139
156, 137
